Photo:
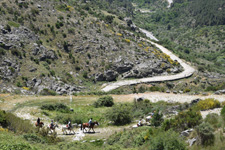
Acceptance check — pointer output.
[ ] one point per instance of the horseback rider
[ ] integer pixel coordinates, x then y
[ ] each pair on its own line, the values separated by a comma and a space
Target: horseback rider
139, 123
52, 124
90, 122
69, 125
38, 121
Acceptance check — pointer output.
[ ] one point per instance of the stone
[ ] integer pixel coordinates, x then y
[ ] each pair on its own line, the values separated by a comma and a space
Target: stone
139, 99
191, 141
185, 133
175, 92
110, 75
100, 77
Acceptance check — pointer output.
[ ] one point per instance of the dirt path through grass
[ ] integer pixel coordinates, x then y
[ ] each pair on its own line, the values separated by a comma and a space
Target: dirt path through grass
27, 107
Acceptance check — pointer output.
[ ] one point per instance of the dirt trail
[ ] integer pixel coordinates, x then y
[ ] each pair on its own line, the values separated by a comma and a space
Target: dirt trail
168, 97
188, 71
31, 113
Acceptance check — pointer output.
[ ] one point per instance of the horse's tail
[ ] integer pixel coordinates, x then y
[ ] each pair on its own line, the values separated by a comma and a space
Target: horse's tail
81, 126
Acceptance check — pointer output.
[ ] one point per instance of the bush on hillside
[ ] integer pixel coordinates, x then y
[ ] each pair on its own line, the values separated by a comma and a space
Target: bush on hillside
213, 119
106, 101
129, 138
18, 125
157, 119
222, 113
205, 132
3, 121
169, 140
65, 118
56, 107
183, 121
48, 92
120, 114
208, 103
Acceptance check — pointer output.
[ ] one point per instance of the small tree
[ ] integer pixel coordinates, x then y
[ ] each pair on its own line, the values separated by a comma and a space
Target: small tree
157, 119
120, 114
104, 101
205, 132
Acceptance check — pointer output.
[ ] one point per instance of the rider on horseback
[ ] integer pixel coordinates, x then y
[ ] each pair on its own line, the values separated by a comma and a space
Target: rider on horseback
52, 124
69, 125
38, 121
90, 122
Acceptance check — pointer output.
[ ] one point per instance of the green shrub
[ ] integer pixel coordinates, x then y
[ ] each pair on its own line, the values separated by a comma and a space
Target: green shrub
157, 119
141, 89
205, 132
13, 24
2, 51
129, 138
222, 113
106, 101
141, 108
120, 114
48, 92
65, 118
56, 107
154, 88
213, 119
17, 146
33, 138
3, 121
169, 140
183, 121
18, 125
208, 103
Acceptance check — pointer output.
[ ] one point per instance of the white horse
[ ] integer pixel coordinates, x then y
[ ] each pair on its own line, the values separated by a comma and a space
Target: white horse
70, 129
52, 129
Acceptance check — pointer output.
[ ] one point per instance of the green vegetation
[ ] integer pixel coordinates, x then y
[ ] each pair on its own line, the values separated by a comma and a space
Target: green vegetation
13, 24
191, 29
120, 114
48, 92
167, 140
157, 119
205, 132
184, 120
209, 103
106, 101
57, 107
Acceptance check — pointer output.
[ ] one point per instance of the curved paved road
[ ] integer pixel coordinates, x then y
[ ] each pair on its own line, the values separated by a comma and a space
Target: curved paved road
188, 71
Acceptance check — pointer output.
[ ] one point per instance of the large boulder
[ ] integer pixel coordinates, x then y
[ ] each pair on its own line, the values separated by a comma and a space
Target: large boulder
110, 75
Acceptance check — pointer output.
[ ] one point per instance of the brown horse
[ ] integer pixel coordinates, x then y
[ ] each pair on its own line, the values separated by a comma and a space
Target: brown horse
86, 125
40, 125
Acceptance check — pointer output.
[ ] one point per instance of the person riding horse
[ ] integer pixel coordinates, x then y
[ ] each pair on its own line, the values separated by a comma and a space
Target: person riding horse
139, 123
90, 122
69, 125
38, 121
52, 124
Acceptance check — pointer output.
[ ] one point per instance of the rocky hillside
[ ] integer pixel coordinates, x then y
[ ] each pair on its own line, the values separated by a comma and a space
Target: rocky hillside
61, 47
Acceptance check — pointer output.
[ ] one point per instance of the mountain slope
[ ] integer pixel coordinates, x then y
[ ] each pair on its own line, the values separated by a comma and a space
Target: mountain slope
66, 47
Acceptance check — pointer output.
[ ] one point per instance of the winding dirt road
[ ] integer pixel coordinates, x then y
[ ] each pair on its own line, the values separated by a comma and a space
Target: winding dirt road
188, 71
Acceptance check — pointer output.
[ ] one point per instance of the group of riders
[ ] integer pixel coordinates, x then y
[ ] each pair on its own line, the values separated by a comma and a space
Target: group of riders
69, 125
